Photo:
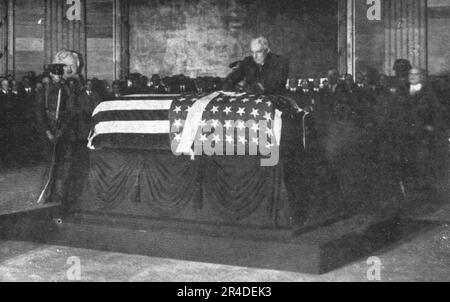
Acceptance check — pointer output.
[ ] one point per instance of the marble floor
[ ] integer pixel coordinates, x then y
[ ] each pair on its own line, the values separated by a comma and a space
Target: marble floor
424, 258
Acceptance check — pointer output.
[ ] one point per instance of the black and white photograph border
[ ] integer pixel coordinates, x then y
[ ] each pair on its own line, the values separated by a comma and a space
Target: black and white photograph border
228, 141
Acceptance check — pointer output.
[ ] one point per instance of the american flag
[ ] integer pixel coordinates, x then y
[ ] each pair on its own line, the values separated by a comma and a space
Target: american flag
230, 120
162, 121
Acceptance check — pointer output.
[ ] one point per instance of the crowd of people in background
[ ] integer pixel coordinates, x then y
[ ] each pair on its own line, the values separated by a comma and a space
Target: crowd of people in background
363, 89
387, 134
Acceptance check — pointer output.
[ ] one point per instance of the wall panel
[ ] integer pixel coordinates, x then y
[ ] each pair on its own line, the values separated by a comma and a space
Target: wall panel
29, 30
99, 34
202, 37
3, 37
438, 37
405, 30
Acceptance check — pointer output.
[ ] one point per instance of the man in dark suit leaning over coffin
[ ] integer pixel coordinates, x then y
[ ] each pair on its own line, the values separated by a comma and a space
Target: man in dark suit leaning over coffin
263, 72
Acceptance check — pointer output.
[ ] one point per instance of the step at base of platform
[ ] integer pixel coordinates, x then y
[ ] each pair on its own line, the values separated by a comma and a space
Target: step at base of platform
315, 252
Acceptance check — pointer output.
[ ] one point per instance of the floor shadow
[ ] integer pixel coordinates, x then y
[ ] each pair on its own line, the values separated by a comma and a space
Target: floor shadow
38, 225
378, 237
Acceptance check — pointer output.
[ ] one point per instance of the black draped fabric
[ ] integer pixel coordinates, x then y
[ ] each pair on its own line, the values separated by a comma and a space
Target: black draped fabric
154, 184
165, 183
113, 178
237, 186
168, 184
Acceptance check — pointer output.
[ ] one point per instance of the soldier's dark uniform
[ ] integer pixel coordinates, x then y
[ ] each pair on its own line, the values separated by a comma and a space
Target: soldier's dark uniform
6, 126
60, 121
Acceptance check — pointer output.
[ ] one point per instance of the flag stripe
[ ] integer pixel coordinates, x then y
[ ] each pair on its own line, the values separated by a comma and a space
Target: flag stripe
128, 105
149, 96
133, 141
137, 127
277, 125
132, 115
124, 127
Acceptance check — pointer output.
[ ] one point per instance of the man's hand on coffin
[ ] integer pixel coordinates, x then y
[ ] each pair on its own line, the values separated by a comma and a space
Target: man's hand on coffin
241, 86
289, 106
253, 88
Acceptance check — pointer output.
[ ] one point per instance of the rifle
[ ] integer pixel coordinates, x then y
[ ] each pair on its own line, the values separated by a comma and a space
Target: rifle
51, 171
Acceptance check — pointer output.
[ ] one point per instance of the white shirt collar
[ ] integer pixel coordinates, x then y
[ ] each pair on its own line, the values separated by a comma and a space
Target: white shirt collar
413, 89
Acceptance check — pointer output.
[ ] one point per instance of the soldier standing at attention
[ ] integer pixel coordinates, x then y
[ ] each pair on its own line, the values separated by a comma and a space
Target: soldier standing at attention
57, 115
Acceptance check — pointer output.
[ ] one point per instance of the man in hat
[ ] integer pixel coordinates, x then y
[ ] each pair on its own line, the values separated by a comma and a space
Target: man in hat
156, 86
420, 134
401, 83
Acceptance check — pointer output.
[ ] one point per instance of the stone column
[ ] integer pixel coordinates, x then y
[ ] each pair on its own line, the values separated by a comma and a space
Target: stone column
3, 37
342, 36
346, 36
121, 40
405, 23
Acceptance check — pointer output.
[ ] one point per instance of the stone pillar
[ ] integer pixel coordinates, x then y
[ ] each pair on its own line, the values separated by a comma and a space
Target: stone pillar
405, 23
342, 36
346, 36
3, 37
121, 40
351, 38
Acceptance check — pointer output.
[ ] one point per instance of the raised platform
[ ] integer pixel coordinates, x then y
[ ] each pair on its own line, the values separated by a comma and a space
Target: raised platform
318, 251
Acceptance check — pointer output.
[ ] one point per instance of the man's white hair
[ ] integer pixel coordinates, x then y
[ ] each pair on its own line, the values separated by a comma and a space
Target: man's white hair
61, 55
261, 41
